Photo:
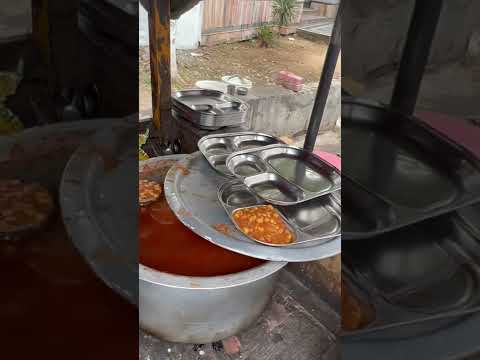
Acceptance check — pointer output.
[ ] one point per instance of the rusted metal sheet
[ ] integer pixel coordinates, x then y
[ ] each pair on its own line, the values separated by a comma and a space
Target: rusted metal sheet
159, 24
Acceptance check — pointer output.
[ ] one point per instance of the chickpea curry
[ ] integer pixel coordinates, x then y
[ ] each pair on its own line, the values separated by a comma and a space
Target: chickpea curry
263, 223
148, 191
23, 205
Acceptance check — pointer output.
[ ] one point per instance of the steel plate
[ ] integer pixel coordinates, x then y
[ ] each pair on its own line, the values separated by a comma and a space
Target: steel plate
191, 191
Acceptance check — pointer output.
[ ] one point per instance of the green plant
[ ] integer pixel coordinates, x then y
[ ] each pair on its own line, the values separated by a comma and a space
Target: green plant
266, 35
284, 11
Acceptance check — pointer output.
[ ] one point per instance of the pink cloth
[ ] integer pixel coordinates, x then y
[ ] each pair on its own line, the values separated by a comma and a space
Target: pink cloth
332, 159
457, 130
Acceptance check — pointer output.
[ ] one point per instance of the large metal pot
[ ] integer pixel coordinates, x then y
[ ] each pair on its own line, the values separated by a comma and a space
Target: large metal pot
200, 309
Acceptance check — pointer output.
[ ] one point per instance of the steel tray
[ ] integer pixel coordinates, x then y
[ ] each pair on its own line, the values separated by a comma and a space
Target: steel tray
191, 191
402, 168
427, 271
207, 123
216, 148
284, 175
316, 220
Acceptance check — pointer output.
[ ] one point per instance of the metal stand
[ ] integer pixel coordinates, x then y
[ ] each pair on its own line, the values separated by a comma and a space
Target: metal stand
325, 82
415, 55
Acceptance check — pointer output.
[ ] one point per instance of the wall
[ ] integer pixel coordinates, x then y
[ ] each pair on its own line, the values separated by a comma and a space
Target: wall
15, 19
282, 112
189, 28
186, 32
383, 52
142, 26
237, 20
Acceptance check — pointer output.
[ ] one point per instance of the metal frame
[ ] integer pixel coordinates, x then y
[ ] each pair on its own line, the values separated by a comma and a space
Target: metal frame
325, 82
415, 55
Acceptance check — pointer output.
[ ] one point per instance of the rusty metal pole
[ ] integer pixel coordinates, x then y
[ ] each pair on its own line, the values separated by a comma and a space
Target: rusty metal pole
159, 37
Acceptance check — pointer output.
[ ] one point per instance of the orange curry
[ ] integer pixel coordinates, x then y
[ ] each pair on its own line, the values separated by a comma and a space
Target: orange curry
167, 245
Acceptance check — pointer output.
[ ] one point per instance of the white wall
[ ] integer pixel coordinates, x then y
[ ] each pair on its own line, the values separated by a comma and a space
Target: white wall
143, 26
188, 30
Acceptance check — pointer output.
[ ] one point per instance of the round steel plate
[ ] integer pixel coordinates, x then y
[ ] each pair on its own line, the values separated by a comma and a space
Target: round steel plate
191, 191
99, 200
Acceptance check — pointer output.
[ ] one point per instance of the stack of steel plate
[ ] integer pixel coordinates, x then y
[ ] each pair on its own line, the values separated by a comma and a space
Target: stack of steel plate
209, 109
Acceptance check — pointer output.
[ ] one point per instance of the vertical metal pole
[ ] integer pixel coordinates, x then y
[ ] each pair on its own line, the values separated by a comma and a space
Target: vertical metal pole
325, 82
422, 28
159, 34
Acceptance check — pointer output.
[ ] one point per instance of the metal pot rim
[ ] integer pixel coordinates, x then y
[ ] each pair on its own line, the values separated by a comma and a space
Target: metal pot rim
153, 276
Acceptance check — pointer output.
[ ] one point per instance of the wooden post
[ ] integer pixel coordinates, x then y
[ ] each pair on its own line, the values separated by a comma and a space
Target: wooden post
159, 33
55, 36
41, 37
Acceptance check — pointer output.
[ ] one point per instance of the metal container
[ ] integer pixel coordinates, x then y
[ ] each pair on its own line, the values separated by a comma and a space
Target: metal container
231, 90
242, 91
200, 309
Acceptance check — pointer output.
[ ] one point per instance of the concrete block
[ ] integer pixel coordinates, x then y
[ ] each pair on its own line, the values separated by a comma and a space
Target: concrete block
282, 112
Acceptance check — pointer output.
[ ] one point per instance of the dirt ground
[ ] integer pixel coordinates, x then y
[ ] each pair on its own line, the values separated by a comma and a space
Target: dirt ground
247, 59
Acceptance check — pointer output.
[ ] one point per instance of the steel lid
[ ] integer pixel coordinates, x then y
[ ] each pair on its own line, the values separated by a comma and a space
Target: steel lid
98, 197
191, 191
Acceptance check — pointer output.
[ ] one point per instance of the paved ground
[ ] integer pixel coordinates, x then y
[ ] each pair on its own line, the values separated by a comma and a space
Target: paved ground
297, 325
322, 29
246, 59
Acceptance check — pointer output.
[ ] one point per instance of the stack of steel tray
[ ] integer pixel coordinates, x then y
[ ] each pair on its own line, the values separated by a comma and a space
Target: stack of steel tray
411, 231
209, 109
423, 284
250, 169
400, 171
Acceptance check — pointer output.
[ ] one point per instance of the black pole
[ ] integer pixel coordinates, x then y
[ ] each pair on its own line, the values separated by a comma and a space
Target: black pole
325, 82
422, 28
